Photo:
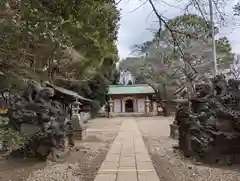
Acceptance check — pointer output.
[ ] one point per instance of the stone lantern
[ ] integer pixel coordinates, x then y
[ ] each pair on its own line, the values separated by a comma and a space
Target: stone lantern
77, 122
76, 107
147, 104
110, 106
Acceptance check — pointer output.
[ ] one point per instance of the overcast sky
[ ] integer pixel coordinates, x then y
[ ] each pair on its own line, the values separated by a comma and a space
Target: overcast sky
136, 24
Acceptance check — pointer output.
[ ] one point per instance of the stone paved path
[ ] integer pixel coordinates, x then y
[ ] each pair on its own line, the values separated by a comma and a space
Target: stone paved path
128, 158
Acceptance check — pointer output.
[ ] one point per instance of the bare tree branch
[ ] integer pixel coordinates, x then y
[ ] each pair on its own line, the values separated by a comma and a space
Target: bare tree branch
145, 2
162, 21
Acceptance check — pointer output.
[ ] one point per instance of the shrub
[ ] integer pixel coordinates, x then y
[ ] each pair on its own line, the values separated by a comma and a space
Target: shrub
11, 140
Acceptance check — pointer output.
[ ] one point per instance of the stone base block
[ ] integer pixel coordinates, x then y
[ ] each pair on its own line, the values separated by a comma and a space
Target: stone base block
80, 134
29, 129
110, 115
174, 131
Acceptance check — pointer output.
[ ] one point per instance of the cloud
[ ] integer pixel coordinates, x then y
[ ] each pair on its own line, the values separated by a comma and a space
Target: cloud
133, 26
138, 20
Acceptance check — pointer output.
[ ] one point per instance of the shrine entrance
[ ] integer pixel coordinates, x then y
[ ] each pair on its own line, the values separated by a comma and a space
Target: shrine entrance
129, 105
132, 100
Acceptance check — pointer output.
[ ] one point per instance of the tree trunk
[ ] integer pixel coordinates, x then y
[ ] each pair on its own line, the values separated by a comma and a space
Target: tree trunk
163, 103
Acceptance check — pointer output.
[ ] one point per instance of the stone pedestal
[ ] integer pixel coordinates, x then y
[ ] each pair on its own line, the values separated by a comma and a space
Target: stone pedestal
29, 129
80, 134
174, 131
77, 121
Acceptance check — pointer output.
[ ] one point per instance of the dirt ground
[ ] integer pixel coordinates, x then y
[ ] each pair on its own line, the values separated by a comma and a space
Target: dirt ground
82, 165
170, 165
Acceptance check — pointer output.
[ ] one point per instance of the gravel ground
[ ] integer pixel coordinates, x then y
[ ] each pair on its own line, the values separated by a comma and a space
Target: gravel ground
170, 165
82, 165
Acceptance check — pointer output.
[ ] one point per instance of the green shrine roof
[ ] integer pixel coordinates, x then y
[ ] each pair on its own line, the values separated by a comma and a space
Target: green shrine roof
130, 89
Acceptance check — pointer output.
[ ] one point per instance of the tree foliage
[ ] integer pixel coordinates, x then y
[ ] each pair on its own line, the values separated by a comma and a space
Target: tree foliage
57, 40
163, 62
69, 43
11, 139
115, 77
189, 29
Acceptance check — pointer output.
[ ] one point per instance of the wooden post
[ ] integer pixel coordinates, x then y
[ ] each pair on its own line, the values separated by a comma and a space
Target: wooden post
136, 106
122, 105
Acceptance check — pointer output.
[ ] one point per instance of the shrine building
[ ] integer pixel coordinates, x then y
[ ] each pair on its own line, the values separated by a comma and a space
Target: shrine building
132, 100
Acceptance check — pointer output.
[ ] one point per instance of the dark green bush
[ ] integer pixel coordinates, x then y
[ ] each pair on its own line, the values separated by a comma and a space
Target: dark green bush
95, 107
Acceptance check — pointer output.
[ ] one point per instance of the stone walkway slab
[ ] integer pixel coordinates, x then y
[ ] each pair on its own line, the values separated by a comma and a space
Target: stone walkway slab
128, 158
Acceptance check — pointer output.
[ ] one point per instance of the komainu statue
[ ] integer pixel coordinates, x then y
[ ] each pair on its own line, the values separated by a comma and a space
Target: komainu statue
42, 120
209, 122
